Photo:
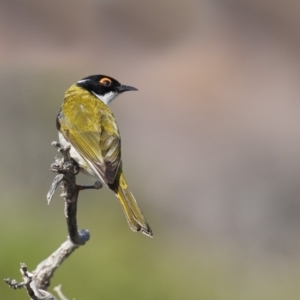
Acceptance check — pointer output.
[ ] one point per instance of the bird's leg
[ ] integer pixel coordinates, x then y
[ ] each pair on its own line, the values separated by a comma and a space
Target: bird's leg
96, 186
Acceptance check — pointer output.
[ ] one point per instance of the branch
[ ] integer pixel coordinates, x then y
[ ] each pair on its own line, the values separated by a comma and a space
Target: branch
60, 294
67, 170
30, 285
37, 283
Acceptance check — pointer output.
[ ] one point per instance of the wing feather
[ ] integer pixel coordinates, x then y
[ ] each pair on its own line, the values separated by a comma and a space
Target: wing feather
101, 147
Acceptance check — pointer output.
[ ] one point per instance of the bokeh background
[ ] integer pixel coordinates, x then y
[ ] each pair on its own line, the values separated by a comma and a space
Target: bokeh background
211, 146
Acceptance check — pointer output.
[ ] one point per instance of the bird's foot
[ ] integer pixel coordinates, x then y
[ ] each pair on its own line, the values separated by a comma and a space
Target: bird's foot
96, 186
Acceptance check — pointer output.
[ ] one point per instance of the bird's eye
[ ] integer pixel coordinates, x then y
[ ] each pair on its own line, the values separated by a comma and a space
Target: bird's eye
105, 82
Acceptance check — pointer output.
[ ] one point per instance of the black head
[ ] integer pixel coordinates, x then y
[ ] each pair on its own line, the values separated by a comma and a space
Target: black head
104, 87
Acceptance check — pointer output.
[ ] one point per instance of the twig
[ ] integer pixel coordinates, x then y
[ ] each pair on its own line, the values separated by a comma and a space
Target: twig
60, 294
37, 283
67, 171
30, 285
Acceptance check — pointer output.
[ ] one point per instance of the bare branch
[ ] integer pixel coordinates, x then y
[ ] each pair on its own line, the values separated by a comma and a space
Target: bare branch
30, 285
60, 294
45, 270
57, 180
37, 283
68, 169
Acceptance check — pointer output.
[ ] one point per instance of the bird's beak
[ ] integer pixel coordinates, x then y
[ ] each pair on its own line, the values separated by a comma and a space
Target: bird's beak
125, 88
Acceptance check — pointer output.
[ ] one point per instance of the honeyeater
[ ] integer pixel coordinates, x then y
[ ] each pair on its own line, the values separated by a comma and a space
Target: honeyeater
86, 123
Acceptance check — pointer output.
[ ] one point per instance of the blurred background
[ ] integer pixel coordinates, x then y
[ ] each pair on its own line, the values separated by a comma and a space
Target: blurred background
210, 142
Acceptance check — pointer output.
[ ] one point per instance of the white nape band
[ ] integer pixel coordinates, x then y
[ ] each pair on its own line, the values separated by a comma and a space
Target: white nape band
82, 80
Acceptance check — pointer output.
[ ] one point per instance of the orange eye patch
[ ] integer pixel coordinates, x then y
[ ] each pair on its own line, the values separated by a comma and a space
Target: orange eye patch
105, 81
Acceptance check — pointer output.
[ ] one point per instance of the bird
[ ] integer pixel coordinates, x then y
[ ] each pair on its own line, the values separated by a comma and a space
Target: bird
86, 123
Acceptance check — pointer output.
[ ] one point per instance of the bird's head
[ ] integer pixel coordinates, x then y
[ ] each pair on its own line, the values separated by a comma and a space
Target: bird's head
104, 87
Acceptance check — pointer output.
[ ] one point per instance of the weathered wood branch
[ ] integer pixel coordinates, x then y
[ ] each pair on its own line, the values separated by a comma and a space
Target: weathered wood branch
37, 282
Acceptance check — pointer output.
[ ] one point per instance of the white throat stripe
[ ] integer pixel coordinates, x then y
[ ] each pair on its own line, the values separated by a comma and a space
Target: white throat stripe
107, 98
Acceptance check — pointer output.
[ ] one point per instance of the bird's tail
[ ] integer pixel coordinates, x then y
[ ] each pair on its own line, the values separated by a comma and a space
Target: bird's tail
134, 216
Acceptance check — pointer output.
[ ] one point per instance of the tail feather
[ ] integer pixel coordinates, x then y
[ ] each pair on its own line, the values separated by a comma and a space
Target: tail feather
134, 216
